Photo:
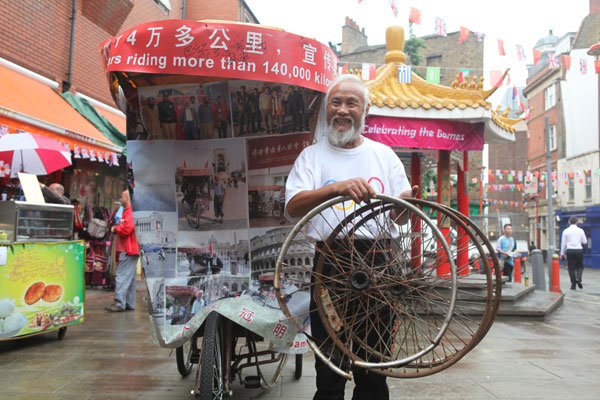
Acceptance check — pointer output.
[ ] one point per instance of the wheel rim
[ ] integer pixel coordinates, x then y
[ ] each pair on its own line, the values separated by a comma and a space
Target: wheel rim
376, 282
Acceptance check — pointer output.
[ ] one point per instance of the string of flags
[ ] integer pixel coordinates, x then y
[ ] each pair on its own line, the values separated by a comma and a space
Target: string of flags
110, 158
440, 29
529, 178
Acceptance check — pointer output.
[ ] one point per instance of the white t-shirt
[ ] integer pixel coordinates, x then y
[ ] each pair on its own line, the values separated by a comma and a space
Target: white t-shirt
321, 164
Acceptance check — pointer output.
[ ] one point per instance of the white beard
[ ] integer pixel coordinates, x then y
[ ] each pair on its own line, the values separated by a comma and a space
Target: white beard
340, 138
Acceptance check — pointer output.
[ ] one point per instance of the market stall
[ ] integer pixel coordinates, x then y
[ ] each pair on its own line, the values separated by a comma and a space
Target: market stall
41, 270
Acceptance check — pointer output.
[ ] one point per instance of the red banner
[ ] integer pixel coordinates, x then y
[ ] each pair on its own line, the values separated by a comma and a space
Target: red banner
276, 151
225, 50
424, 133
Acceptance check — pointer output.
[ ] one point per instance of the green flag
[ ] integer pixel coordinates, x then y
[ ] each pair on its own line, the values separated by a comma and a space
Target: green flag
433, 75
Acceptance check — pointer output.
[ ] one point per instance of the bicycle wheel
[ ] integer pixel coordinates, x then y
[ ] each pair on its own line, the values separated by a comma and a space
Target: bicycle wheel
183, 355
379, 306
476, 302
212, 385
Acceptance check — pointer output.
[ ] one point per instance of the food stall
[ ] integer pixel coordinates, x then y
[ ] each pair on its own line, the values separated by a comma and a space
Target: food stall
41, 270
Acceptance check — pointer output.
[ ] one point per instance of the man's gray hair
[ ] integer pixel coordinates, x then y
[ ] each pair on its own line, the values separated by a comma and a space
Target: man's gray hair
353, 78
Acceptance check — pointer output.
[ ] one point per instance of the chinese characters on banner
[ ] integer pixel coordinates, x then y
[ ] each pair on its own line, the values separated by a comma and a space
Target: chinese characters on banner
221, 50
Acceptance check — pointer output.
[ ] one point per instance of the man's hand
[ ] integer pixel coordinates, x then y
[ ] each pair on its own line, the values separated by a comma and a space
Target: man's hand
357, 188
562, 257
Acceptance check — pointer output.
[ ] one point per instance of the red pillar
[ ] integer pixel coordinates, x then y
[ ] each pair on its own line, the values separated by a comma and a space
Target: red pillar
415, 179
463, 207
444, 192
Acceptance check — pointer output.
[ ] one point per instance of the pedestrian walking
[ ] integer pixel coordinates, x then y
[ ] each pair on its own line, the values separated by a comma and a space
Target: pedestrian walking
571, 247
127, 247
505, 247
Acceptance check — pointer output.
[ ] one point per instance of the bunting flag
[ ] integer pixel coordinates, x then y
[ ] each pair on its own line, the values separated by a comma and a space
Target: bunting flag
567, 60
415, 16
440, 27
501, 47
520, 53
464, 34
344, 68
480, 36
405, 73
583, 66
4, 130
553, 62
433, 75
515, 93
597, 65
368, 71
463, 73
496, 78
536, 56
394, 5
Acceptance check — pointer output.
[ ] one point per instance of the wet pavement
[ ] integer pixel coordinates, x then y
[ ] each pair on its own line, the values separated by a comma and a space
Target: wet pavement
111, 356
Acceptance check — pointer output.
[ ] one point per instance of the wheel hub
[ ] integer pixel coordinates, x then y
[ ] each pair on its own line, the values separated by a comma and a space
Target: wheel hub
359, 280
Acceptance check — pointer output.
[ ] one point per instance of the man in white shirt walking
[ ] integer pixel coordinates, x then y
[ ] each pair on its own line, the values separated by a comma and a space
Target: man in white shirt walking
571, 246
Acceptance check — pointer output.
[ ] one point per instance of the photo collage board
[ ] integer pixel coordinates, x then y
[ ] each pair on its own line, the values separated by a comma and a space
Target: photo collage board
210, 164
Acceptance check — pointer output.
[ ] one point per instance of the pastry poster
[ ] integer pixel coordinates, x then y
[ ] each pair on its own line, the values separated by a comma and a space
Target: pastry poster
48, 294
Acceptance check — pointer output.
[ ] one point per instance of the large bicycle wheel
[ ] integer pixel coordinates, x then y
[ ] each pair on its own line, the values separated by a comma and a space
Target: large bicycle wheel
477, 295
380, 306
212, 385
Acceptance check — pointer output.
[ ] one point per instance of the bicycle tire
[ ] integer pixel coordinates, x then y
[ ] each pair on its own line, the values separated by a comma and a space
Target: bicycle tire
212, 370
183, 356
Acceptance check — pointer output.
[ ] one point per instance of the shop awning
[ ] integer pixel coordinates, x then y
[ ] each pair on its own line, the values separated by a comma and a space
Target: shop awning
96, 118
30, 105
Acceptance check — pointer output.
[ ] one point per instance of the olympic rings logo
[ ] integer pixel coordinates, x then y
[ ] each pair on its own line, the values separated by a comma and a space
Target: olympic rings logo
379, 190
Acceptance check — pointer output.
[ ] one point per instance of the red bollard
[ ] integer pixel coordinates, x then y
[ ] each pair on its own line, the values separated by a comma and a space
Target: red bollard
555, 285
517, 269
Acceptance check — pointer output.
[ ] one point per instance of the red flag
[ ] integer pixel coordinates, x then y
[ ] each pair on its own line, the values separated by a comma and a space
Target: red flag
206, 165
597, 65
210, 248
184, 166
567, 60
369, 71
501, 48
496, 78
536, 56
415, 16
464, 34
345, 68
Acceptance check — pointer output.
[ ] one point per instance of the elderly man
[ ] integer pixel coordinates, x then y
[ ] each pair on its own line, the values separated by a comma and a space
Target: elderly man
55, 193
341, 166
127, 248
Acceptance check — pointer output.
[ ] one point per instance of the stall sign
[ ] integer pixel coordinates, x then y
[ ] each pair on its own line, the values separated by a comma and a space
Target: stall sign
41, 287
424, 133
225, 50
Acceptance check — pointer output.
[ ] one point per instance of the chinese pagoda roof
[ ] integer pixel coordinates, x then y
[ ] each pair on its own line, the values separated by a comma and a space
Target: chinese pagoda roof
419, 99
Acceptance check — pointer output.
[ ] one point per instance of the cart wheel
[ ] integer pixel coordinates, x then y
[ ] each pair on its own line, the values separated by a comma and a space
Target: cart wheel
62, 332
270, 380
298, 367
478, 294
382, 301
183, 355
211, 384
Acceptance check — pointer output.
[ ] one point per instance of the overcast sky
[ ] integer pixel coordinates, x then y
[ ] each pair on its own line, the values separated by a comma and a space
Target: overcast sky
513, 21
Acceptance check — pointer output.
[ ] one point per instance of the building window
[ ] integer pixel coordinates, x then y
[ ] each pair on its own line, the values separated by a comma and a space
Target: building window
549, 97
164, 5
588, 185
571, 189
552, 133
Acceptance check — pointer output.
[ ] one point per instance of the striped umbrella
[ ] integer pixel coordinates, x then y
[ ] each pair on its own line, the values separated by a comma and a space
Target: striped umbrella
30, 153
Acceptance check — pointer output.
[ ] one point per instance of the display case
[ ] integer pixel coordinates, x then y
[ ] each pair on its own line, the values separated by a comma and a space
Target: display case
30, 222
